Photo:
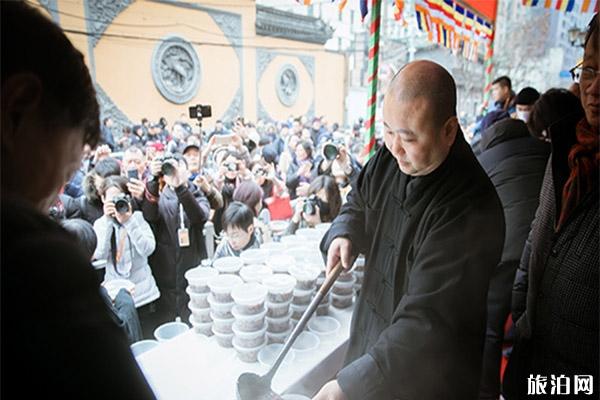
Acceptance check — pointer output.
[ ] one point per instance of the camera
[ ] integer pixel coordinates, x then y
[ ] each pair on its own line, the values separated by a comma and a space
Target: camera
200, 111
122, 203
261, 172
232, 167
332, 149
310, 205
168, 165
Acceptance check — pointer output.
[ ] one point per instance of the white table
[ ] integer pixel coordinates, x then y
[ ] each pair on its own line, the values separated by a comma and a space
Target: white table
193, 366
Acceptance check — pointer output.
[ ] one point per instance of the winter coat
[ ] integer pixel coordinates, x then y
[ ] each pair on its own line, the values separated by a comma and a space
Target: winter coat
61, 332
555, 294
293, 179
515, 162
169, 261
133, 265
431, 244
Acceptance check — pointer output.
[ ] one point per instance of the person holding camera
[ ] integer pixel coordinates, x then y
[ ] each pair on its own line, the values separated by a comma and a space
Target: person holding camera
177, 211
125, 241
338, 163
322, 205
302, 170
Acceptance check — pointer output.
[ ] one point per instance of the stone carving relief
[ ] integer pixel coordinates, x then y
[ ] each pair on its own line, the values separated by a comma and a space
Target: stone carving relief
176, 69
287, 85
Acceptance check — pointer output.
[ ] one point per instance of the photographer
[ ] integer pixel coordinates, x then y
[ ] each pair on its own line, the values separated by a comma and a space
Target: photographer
203, 180
125, 241
302, 170
322, 205
338, 163
177, 211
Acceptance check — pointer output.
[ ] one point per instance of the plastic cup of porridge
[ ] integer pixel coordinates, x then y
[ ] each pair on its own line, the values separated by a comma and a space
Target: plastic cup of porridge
278, 310
223, 339
273, 247
201, 328
220, 310
228, 265
246, 354
343, 288
341, 301
280, 288
306, 276
278, 325
249, 339
222, 285
249, 322
198, 278
200, 314
302, 297
254, 256
255, 273
278, 337
280, 263
249, 298
199, 300
222, 325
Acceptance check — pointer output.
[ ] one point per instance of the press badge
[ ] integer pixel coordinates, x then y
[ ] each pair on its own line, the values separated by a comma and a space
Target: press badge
184, 237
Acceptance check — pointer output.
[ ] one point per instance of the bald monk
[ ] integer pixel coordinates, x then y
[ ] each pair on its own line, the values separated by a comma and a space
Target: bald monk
431, 225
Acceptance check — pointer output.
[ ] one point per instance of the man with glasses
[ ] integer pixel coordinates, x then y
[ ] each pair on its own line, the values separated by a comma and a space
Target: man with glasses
558, 275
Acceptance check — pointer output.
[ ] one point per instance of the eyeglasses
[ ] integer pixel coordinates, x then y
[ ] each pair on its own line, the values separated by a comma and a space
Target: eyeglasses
579, 73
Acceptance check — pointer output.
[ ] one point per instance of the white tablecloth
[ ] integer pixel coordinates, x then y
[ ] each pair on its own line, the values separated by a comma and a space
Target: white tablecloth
193, 366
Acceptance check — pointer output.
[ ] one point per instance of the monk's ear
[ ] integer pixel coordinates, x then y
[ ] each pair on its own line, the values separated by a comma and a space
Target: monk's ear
450, 130
21, 96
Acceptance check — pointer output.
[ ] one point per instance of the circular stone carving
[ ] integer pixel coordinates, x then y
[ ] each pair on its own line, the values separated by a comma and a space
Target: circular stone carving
176, 69
287, 85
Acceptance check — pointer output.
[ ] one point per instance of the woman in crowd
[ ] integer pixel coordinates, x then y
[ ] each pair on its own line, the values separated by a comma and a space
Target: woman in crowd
300, 172
125, 241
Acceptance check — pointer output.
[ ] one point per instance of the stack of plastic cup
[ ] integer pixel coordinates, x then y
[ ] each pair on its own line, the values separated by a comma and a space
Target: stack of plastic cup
221, 304
343, 290
199, 291
280, 291
306, 282
250, 327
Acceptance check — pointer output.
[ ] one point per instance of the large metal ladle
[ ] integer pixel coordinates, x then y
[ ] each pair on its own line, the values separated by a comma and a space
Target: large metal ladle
250, 386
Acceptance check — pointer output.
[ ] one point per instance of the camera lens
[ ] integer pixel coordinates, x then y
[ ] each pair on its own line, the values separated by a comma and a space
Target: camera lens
232, 167
330, 151
309, 207
167, 169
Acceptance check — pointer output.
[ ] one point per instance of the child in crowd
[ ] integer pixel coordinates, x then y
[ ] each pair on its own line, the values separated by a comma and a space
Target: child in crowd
238, 224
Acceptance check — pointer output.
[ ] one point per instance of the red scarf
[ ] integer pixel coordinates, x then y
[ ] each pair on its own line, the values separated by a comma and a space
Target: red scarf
583, 163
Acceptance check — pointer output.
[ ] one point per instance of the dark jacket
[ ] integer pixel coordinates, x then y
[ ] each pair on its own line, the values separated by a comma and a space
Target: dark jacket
59, 338
431, 244
169, 262
515, 162
293, 179
555, 295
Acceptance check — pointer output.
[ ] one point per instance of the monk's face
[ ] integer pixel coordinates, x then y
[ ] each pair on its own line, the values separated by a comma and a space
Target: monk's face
411, 135
589, 83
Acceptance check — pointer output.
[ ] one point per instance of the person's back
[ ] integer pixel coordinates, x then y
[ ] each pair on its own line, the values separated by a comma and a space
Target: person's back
515, 162
59, 338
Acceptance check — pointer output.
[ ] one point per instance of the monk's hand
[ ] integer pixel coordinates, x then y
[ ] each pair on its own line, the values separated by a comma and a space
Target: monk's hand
340, 249
330, 391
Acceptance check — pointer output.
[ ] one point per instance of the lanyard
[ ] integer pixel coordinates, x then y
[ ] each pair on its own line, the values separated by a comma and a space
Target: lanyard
182, 225
122, 239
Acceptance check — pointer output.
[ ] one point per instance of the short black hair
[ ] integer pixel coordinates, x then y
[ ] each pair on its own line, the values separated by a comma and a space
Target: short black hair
527, 96
118, 181
84, 233
238, 215
551, 107
503, 81
107, 167
32, 43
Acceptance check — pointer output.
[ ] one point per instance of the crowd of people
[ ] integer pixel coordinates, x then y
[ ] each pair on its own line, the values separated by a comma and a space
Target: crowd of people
459, 237
148, 191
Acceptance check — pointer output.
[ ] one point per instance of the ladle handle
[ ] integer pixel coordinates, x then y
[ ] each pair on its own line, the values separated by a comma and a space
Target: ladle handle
323, 290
